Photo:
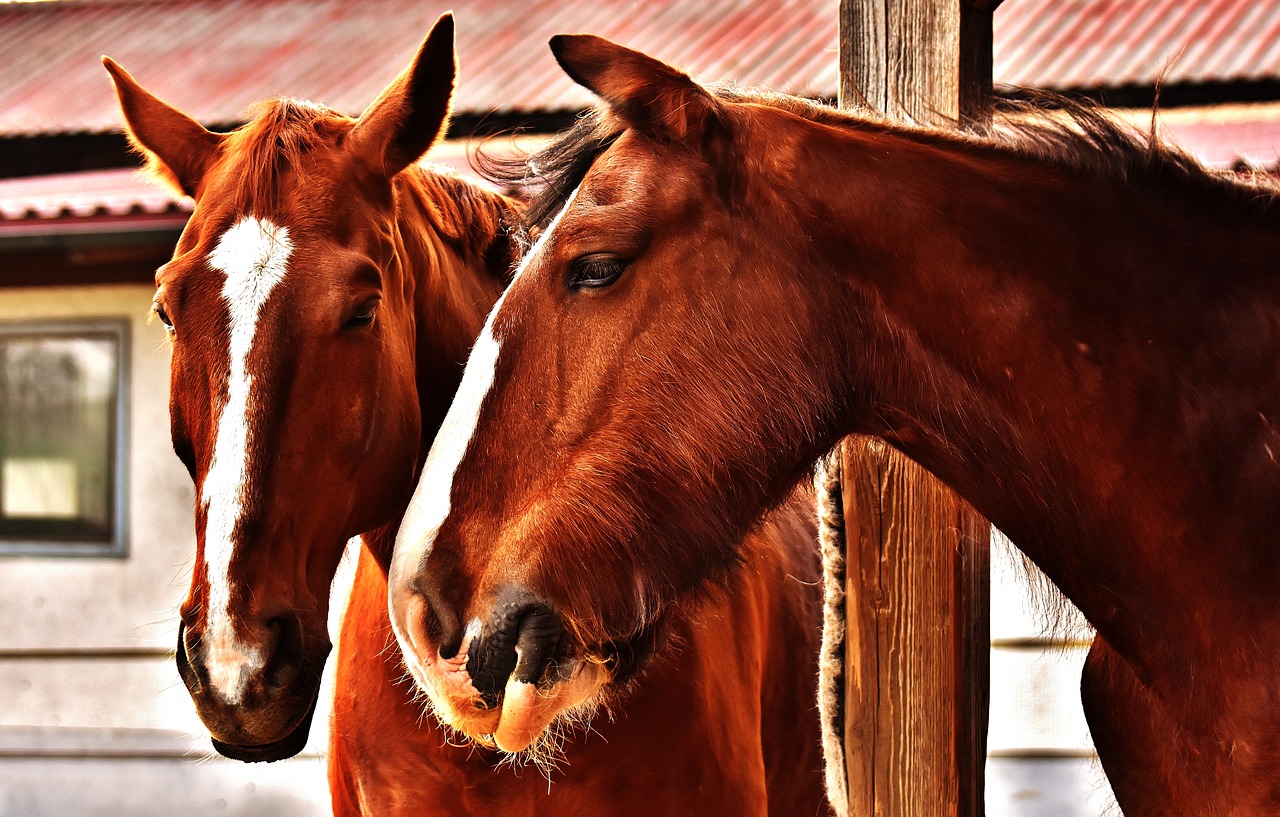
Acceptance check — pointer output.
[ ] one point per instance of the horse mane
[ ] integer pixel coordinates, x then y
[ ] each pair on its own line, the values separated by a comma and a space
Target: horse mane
1074, 136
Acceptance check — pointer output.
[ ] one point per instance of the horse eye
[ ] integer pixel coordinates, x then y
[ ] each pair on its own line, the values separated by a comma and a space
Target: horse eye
364, 314
594, 271
164, 317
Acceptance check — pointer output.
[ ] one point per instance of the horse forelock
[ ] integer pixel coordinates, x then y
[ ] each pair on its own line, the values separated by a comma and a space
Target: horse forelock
549, 177
279, 137
290, 135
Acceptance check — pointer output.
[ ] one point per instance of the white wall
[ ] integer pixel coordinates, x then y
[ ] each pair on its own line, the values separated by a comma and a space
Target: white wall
1040, 760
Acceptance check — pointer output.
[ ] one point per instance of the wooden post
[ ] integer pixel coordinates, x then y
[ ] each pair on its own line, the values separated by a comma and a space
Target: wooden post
917, 604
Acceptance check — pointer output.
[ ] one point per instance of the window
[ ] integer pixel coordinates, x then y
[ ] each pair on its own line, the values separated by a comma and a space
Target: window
62, 446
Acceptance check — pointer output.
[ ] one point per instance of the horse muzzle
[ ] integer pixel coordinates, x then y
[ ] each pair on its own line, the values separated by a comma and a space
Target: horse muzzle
266, 714
502, 681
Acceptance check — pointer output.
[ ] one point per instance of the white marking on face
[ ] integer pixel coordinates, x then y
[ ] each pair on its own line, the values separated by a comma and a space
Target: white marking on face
254, 255
430, 504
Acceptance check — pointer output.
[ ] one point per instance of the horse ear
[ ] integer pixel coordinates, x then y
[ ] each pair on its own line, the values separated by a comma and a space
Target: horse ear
647, 94
413, 112
178, 148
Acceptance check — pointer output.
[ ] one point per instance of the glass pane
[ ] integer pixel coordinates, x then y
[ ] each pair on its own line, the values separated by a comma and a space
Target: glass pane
57, 436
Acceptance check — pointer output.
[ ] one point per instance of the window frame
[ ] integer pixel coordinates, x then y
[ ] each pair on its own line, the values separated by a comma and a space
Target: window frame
117, 545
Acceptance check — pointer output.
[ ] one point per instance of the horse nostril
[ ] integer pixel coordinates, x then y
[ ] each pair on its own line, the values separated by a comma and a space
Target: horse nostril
284, 652
524, 638
439, 621
192, 670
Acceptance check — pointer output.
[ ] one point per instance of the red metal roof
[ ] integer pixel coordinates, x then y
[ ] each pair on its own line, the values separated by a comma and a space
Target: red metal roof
212, 58
104, 200
1077, 44
94, 193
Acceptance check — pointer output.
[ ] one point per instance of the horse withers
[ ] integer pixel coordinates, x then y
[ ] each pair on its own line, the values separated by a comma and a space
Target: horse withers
1074, 326
320, 303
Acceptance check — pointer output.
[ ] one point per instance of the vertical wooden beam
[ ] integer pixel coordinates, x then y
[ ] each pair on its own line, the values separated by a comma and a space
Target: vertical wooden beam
926, 60
917, 604
917, 640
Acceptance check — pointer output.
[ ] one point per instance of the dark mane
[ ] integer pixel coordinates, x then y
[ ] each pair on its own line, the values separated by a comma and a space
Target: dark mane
547, 178
1074, 136
277, 138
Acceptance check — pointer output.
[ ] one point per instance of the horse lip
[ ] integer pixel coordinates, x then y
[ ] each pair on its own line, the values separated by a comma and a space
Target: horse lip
281, 749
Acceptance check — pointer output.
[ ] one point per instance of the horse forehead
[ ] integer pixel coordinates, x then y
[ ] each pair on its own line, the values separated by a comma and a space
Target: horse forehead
253, 255
622, 171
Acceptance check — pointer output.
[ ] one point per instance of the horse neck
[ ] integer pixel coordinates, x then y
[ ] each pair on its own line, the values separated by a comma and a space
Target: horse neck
1030, 335
455, 254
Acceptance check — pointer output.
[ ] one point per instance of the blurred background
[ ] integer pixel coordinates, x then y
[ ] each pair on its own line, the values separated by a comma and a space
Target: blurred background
96, 533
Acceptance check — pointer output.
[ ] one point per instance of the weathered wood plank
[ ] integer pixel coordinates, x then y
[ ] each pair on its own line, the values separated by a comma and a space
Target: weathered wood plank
916, 682
925, 60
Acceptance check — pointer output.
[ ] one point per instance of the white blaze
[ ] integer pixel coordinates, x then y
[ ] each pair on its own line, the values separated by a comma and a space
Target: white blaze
253, 255
430, 504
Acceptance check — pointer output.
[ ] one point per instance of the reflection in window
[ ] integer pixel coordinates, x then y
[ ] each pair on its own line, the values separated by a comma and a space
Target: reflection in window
60, 447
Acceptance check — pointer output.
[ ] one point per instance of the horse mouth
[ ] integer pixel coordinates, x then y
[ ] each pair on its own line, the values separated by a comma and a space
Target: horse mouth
520, 721
282, 749
528, 721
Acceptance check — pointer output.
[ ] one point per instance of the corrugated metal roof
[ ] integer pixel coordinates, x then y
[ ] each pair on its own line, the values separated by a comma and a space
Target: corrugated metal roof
115, 193
111, 197
213, 58
1082, 44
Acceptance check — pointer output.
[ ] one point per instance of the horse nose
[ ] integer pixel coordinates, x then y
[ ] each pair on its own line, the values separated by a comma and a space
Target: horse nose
522, 639
264, 659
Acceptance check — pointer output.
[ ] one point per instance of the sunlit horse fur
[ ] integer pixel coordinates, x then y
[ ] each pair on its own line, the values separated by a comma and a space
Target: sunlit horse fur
1076, 327
321, 302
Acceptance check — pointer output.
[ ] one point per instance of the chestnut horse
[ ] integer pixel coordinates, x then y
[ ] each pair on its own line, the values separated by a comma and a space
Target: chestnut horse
320, 303
1074, 326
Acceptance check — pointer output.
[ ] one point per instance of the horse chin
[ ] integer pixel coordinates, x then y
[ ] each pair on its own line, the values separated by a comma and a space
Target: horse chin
529, 711
525, 724
282, 749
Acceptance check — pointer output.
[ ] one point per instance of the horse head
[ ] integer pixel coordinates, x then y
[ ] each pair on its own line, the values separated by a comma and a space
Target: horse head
295, 400
562, 512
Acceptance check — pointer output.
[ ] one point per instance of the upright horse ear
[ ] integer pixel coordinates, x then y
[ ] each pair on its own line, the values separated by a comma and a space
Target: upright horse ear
178, 148
648, 94
413, 112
